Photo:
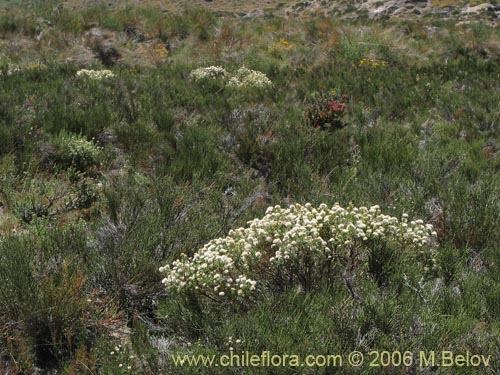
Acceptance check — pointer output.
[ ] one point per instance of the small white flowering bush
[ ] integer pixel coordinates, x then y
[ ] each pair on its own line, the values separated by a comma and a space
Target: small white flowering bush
75, 151
248, 78
210, 72
11, 69
121, 361
296, 244
242, 78
95, 74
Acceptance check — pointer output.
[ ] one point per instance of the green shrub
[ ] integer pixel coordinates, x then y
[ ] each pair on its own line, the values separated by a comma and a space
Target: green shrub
45, 313
195, 153
38, 198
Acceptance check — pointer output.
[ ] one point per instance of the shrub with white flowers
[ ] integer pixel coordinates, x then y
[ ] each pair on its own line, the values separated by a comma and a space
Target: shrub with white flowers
76, 151
294, 244
95, 74
210, 72
246, 78
11, 69
242, 78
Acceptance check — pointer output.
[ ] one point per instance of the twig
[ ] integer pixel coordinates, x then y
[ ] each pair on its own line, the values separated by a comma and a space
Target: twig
350, 287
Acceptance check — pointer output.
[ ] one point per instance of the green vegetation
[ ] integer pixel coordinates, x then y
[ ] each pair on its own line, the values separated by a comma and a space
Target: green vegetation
108, 177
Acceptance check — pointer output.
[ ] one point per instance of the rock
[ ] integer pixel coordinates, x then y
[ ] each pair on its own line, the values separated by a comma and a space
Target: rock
43, 21
103, 46
430, 29
94, 36
107, 53
107, 138
42, 34
490, 149
288, 12
134, 33
254, 13
47, 152
475, 262
259, 199
437, 287
96, 32
476, 9
405, 9
81, 56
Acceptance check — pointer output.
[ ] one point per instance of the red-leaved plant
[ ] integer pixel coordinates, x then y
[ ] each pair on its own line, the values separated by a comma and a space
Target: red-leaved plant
327, 111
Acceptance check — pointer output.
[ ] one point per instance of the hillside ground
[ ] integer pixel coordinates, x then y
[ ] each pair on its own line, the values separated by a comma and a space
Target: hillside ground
103, 181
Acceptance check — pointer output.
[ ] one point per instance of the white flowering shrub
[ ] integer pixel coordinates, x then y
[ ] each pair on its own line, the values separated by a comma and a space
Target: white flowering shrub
208, 73
75, 151
9, 69
297, 244
248, 78
95, 74
242, 78
12, 69
121, 360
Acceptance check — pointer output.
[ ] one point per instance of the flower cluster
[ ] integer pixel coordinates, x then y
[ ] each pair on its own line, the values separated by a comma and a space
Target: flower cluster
282, 45
282, 239
327, 111
210, 72
161, 51
231, 343
122, 358
285, 43
371, 63
95, 74
248, 78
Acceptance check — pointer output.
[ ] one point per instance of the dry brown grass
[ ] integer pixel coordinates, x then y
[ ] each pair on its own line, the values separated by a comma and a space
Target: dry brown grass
231, 6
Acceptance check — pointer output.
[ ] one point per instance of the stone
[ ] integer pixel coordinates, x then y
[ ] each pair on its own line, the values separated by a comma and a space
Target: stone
134, 33
107, 53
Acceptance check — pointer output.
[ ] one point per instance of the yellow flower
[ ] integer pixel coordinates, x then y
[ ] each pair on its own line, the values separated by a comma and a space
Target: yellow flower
373, 63
285, 43
161, 51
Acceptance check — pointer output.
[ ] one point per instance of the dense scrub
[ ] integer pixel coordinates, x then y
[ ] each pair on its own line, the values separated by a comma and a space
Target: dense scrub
107, 177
